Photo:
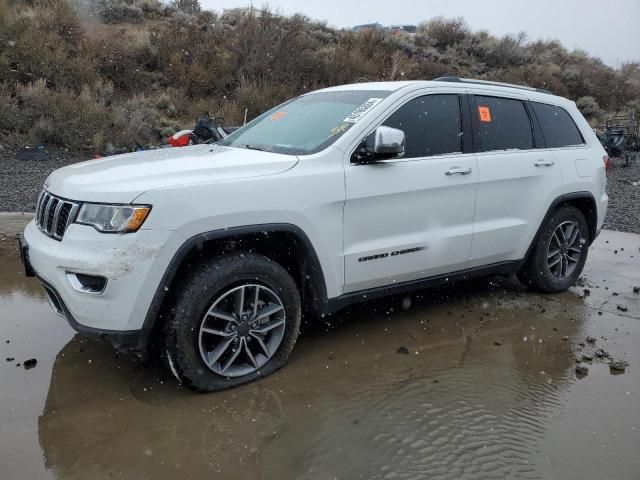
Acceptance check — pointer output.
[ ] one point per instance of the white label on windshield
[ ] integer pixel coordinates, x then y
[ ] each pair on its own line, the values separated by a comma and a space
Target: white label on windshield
362, 109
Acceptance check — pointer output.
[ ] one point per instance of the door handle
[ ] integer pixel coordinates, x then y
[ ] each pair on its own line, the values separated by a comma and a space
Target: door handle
544, 163
458, 171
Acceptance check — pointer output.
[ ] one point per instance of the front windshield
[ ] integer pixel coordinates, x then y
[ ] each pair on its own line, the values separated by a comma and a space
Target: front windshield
306, 124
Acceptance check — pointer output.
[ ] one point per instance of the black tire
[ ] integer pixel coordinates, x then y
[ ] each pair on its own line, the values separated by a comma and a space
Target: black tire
536, 272
195, 293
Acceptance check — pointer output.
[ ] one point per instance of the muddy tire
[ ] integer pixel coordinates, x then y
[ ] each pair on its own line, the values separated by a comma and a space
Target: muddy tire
232, 320
560, 252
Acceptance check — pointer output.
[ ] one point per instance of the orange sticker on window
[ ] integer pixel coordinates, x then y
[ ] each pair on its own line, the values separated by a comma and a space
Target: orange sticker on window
485, 114
278, 115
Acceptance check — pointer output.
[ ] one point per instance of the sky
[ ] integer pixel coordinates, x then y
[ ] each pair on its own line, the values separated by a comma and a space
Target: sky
608, 29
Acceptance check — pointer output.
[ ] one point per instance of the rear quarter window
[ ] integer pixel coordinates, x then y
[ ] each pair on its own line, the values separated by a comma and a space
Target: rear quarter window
557, 126
502, 124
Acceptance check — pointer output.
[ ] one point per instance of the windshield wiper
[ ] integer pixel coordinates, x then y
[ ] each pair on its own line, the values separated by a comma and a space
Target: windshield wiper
255, 147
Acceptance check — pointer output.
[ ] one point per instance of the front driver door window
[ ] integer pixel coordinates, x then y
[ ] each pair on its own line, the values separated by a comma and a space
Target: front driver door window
432, 125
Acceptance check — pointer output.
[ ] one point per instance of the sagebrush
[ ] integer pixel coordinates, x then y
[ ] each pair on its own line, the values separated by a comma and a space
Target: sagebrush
108, 75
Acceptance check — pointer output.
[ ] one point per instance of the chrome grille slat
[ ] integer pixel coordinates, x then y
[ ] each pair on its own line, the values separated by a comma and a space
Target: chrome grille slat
43, 204
39, 207
45, 215
56, 218
52, 212
55, 214
72, 215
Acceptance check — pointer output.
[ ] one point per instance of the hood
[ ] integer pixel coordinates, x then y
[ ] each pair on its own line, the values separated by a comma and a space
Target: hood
122, 178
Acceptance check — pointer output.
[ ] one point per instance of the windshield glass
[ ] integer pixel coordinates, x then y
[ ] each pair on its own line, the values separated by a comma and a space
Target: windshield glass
306, 124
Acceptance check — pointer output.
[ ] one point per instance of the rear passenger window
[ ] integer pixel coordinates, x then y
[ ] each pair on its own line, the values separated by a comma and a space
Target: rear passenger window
558, 127
431, 125
503, 124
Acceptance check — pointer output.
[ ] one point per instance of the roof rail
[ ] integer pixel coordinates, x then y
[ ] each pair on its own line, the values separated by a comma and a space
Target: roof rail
487, 82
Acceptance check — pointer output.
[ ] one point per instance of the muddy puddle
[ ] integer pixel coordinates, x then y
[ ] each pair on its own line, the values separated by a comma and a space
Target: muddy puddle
477, 380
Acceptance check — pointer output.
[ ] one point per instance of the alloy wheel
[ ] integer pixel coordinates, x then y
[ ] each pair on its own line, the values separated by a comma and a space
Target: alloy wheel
241, 330
565, 249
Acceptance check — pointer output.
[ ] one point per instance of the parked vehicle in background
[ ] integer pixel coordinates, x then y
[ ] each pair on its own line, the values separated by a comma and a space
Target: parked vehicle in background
621, 136
340, 195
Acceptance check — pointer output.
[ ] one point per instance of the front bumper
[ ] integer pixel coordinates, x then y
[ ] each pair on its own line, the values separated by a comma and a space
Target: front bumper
128, 341
133, 264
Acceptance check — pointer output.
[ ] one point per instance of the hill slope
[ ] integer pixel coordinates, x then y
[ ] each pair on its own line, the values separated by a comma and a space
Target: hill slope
101, 75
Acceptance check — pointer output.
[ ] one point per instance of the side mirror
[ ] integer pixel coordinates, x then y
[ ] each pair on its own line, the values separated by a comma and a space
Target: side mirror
383, 143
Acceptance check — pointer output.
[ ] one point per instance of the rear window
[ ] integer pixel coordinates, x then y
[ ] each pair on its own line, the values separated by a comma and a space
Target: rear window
503, 124
558, 127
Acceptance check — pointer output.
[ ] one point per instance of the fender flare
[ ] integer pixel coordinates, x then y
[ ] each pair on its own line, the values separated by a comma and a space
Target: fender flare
566, 198
197, 241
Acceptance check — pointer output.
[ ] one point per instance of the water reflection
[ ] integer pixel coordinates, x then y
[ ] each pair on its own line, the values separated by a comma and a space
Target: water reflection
473, 396
485, 389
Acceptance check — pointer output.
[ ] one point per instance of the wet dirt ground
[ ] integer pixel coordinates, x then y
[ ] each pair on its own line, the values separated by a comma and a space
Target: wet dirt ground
475, 380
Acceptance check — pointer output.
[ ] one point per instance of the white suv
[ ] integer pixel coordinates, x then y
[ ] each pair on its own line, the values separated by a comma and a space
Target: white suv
213, 252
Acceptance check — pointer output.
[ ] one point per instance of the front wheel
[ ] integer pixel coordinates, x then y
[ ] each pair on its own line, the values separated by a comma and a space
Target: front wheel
234, 319
560, 252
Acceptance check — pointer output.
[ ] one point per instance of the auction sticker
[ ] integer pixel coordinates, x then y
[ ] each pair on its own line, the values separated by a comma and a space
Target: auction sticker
485, 114
278, 115
362, 110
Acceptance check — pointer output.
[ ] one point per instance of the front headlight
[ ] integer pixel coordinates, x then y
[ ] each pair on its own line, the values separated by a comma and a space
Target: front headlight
113, 218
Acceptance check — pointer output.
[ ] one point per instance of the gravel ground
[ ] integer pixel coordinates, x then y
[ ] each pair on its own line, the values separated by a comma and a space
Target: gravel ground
624, 197
21, 182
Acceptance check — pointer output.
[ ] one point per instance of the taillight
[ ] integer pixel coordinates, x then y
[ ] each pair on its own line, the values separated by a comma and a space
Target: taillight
607, 164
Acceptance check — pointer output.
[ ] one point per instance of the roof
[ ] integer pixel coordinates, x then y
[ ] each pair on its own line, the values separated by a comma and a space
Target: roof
453, 83
384, 86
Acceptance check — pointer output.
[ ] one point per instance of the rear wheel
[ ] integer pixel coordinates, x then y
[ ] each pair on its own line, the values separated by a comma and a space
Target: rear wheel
234, 319
560, 252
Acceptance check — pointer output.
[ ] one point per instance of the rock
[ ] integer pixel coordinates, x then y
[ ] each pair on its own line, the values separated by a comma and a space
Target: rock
565, 338
636, 289
590, 339
403, 351
586, 292
497, 343
29, 364
622, 308
581, 371
111, 149
10, 359
618, 365
587, 357
600, 353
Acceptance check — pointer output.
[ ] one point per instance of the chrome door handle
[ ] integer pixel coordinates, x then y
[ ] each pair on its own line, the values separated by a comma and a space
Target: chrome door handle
544, 163
458, 171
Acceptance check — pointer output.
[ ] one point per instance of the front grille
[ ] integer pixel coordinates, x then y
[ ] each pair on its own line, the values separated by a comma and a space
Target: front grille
54, 214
